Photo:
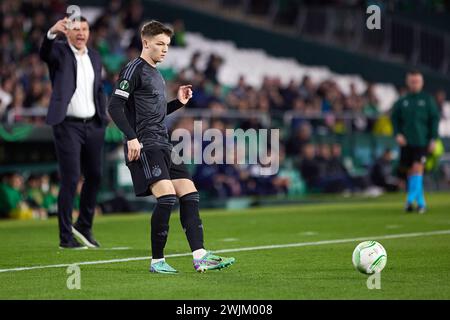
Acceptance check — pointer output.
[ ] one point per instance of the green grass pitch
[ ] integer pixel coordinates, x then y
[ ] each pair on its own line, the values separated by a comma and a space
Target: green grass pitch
418, 265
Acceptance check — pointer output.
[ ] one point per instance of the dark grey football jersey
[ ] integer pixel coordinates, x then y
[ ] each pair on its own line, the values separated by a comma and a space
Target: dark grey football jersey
144, 89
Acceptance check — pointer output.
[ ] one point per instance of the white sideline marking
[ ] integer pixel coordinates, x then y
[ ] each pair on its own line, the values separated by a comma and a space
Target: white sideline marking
229, 239
393, 226
276, 246
308, 233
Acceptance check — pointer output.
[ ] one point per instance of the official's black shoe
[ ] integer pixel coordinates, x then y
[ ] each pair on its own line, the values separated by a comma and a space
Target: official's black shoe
72, 244
85, 237
409, 208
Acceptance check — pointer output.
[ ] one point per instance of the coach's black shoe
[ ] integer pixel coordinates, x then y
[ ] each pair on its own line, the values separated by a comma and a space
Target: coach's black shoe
85, 237
409, 208
73, 244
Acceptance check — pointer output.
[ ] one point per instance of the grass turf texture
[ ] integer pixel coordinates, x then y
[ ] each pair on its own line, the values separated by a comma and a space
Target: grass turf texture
417, 267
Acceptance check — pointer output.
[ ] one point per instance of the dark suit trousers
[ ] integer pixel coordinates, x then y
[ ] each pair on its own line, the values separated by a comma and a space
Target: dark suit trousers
79, 148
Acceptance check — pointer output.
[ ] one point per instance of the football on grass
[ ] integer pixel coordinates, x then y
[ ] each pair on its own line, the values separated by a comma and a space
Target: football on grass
369, 257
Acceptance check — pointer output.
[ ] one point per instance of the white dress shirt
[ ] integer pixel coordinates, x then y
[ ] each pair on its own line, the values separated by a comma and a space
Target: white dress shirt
82, 104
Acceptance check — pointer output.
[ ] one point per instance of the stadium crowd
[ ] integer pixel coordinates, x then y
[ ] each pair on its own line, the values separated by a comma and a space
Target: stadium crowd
35, 196
25, 84
323, 107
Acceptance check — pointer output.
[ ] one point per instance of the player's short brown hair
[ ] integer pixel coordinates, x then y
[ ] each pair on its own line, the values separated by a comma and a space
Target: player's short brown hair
413, 72
153, 28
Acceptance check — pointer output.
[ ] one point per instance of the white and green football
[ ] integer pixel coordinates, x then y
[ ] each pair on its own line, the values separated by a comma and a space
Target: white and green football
369, 257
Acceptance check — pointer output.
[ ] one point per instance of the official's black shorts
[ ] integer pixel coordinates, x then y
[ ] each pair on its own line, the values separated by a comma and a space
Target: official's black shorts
412, 154
154, 165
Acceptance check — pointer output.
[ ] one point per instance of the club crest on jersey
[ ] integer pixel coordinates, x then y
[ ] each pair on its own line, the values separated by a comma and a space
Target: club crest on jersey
156, 171
124, 85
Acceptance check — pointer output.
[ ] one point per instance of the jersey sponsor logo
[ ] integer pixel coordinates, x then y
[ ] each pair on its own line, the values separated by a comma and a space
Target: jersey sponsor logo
124, 85
421, 103
405, 103
122, 93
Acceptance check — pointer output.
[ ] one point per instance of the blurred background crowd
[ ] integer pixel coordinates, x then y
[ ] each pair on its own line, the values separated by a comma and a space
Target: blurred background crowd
320, 108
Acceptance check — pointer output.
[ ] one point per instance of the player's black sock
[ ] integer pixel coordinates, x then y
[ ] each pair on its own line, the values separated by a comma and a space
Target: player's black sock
190, 220
160, 224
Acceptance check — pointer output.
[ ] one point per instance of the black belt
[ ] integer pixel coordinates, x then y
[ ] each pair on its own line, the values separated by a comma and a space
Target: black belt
76, 119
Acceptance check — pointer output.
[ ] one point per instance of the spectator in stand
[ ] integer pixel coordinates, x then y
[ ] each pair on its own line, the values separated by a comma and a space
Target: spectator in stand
335, 165
192, 69
289, 94
228, 180
240, 90
251, 123
300, 137
382, 173
307, 89
51, 190
440, 97
6, 97
266, 180
34, 195
333, 176
370, 108
12, 203
219, 180
201, 98
179, 34
309, 168
212, 67
133, 17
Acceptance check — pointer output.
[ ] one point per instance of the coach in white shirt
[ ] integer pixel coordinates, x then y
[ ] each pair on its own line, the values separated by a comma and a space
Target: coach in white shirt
78, 118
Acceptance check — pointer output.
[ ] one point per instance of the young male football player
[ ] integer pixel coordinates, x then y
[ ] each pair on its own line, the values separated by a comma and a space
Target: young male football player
415, 118
138, 106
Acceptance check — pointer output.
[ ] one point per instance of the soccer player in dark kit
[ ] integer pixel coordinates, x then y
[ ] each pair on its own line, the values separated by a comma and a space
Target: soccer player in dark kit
138, 106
